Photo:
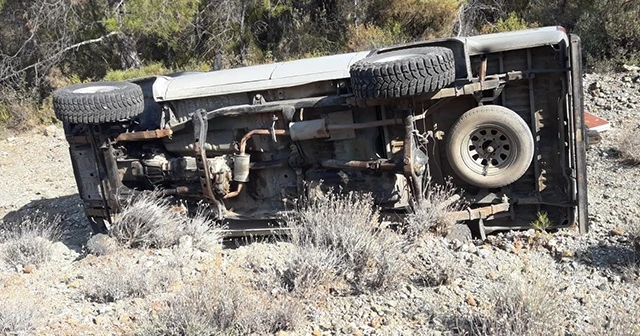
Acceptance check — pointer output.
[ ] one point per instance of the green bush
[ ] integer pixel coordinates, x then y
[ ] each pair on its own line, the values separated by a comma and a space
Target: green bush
510, 23
422, 19
367, 37
610, 33
147, 70
151, 69
21, 115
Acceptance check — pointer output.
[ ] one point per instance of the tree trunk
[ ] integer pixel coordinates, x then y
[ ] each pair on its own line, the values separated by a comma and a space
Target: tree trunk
128, 52
243, 35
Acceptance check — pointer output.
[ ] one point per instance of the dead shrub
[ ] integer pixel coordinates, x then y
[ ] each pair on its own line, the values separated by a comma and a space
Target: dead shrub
307, 268
618, 322
431, 216
433, 263
20, 111
149, 220
629, 146
222, 306
206, 234
15, 115
101, 244
201, 310
120, 281
518, 308
281, 314
30, 240
18, 316
346, 227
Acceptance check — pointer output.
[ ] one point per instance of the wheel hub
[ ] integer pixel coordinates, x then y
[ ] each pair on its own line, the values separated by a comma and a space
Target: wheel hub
488, 149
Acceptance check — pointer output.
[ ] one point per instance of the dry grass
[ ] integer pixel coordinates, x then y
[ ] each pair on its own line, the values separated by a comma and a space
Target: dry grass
619, 322
29, 241
151, 221
345, 229
101, 244
629, 146
433, 263
309, 267
517, 308
431, 216
119, 281
435, 273
220, 306
18, 316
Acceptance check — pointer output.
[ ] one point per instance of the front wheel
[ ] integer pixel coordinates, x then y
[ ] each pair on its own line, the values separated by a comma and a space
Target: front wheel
490, 146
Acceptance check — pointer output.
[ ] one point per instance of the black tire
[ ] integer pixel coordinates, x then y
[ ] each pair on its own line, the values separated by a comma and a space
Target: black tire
97, 103
403, 73
490, 146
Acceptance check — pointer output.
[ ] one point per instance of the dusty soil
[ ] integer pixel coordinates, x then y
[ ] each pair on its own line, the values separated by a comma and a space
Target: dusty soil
591, 280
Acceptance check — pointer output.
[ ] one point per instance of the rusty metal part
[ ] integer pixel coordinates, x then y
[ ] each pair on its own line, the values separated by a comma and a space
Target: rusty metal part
409, 169
480, 213
385, 187
235, 193
97, 212
286, 107
241, 166
145, 135
241, 162
319, 129
449, 201
282, 163
200, 126
308, 129
112, 186
176, 191
490, 83
372, 165
370, 124
246, 137
483, 68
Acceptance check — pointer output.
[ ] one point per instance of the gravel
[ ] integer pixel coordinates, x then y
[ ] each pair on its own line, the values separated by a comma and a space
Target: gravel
592, 277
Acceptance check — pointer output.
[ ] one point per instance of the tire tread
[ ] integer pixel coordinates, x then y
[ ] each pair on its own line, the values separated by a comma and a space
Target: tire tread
429, 70
126, 102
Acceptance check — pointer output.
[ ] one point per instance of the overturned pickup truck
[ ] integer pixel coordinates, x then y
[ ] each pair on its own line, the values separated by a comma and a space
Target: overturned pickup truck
500, 115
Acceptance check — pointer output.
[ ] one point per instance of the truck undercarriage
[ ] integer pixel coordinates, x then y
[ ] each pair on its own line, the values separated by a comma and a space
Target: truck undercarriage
506, 130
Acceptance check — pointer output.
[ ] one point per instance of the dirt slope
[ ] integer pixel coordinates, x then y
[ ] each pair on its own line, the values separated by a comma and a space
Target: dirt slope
586, 284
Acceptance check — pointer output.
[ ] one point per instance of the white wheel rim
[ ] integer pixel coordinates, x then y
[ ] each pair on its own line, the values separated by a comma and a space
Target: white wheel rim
395, 58
95, 89
489, 150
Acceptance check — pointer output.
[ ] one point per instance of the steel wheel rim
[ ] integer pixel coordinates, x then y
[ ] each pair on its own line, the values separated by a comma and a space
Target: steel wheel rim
489, 150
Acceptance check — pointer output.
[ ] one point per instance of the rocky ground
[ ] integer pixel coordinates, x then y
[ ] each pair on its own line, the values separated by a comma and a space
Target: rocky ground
564, 283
